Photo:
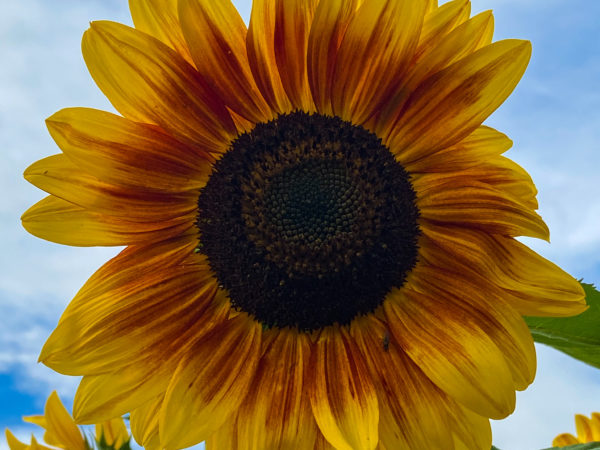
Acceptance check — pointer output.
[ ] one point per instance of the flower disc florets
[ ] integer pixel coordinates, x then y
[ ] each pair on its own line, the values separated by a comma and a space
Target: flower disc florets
308, 220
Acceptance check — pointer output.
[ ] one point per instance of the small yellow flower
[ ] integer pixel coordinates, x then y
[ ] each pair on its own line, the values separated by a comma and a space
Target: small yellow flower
588, 430
15, 444
61, 431
114, 432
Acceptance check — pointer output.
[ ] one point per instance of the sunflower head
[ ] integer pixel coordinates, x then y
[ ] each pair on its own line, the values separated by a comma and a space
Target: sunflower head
319, 231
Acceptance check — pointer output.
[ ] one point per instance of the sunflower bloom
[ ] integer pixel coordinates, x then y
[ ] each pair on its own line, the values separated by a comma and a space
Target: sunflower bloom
588, 430
319, 231
61, 431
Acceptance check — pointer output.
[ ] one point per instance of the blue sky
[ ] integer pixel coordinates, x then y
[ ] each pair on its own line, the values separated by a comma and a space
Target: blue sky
553, 118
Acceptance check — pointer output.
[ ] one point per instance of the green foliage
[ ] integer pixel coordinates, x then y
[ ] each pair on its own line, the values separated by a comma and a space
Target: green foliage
577, 336
589, 446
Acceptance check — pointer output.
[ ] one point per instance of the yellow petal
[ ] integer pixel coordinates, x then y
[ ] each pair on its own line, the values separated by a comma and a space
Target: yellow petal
276, 412
330, 22
293, 22
532, 285
58, 176
146, 81
138, 303
126, 153
440, 22
413, 410
431, 5
455, 353
483, 144
465, 294
584, 428
114, 431
225, 437
595, 425
62, 222
37, 420
144, 423
466, 201
374, 54
495, 171
459, 43
216, 36
342, 395
460, 97
260, 47
13, 442
159, 18
62, 430
471, 431
564, 439
100, 397
210, 383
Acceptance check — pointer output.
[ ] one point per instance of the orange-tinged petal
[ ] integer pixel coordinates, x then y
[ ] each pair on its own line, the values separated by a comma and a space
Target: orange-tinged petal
114, 431
260, 47
100, 397
461, 42
481, 145
61, 429
276, 412
439, 22
330, 22
342, 395
58, 176
144, 423
147, 81
374, 54
159, 18
62, 222
466, 201
225, 437
494, 316
210, 383
533, 285
497, 172
562, 440
293, 20
126, 153
460, 97
216, 36
452, 350
412, 409
120, 316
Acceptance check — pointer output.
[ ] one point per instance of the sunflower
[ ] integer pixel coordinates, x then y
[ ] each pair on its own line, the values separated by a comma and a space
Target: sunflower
319, 231
61, 431
588, 430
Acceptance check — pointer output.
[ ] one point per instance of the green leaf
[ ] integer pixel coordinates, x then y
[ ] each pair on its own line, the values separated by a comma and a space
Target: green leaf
577, 336
588, 446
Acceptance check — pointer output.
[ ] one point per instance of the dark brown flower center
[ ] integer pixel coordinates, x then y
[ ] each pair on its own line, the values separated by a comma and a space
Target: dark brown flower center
308, 220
